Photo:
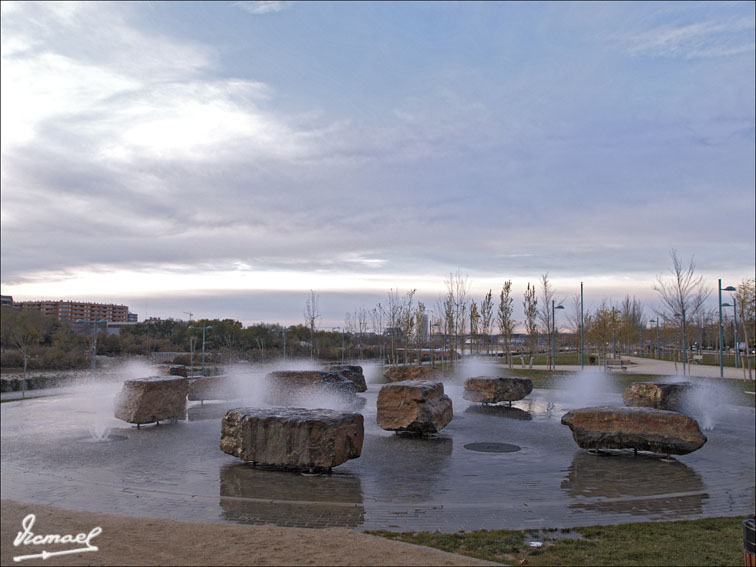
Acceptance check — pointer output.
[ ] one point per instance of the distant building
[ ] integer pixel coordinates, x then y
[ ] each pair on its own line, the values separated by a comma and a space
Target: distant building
133, 318
6, 300
71, 311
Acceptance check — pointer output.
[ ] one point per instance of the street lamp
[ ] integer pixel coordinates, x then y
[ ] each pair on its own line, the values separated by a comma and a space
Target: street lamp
721, 337
205, 326
582, 330
734, 330
553, 320
657, 336
614, 342
95, 325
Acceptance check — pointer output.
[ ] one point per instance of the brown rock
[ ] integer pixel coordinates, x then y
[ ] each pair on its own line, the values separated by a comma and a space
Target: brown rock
292, 437
157, 398
351, 372
418, 406
492, 389
639, 428
212, 388
657, 395
401, 373
288, 387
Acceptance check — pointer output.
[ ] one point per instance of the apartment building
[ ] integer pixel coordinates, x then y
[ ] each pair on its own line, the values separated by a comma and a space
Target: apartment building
71, 311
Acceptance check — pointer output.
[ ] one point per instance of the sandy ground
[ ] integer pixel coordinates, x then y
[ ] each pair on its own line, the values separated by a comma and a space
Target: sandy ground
143, 541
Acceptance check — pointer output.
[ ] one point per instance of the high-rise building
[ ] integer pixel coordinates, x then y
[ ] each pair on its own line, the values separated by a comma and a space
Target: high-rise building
72, 311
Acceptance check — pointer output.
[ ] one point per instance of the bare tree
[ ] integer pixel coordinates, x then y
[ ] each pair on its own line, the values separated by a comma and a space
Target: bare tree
530, 307
548, 294
457, 288
311, 316
393, 313
745, 299
377, 318
682, 296
474, 324
362, 326
504, 317
486, 319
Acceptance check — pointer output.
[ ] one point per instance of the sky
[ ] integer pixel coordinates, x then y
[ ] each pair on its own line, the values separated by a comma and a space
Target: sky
225, 158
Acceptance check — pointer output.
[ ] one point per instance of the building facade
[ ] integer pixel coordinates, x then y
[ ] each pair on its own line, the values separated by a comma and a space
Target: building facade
72, 311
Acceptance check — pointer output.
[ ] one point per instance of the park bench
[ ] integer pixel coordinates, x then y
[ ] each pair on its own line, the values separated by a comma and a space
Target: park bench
697, 359
612, 364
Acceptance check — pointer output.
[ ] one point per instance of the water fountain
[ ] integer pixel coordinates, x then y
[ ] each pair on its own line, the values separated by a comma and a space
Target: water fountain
398, 483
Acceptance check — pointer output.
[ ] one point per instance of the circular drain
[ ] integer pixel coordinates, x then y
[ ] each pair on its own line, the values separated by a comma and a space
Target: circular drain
492, 447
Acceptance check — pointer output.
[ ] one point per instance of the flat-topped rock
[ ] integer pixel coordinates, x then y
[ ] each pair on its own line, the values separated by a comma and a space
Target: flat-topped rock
289, 387
350, 372
417, 406
152, 399
657, 395
212, 388
402, 373
638, 428
292, 437
495, 389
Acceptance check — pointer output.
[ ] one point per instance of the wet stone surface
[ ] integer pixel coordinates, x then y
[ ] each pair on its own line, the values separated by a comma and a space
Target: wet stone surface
398, 483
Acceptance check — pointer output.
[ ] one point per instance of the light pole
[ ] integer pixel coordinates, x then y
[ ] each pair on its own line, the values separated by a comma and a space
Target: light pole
553, 320
205, 326
614, 342
95, 324
582, 330
734, 329
721, 337
657, 336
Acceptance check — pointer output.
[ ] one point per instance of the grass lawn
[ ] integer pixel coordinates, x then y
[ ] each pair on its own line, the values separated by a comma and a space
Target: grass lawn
709, 541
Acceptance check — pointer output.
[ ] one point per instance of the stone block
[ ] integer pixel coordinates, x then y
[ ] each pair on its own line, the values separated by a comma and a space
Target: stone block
402, 373
152, 399
291, 387
350, 372
293, 437
638, 428
212, 388
417, 406
657, 395
493, 389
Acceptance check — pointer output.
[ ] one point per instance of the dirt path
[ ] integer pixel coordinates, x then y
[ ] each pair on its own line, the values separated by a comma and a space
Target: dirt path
147, 541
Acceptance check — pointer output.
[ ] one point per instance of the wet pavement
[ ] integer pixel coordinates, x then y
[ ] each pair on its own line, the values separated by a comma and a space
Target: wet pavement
457, 480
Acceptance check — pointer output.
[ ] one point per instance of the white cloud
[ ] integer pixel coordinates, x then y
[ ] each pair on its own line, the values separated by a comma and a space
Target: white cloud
263, 7
700, 39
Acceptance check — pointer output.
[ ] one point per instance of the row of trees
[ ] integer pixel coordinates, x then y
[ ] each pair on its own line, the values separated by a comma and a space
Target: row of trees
403, 329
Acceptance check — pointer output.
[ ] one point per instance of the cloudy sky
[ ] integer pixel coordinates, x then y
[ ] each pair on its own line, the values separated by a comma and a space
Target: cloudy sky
225, 158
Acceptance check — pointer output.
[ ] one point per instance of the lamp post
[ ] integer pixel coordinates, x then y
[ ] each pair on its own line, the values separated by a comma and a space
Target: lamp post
721, 337
657, 336
734, 330
553, 320
614, 342
205, 326
95, 324
582, 330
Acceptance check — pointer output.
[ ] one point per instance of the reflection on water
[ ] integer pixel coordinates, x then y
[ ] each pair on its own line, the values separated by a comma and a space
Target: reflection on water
417, 464
265, 495
209, 411
637, 485
500, 411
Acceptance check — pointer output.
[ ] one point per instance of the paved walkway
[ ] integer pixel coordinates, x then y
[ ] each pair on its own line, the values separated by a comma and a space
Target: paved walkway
662, 367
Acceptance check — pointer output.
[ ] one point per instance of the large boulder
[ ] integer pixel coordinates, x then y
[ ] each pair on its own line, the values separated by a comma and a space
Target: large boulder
493, 389
291, 387
657, 395
152, 399
638, 428
417, 406
292, 437
402, 373
350, 372
212, 388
